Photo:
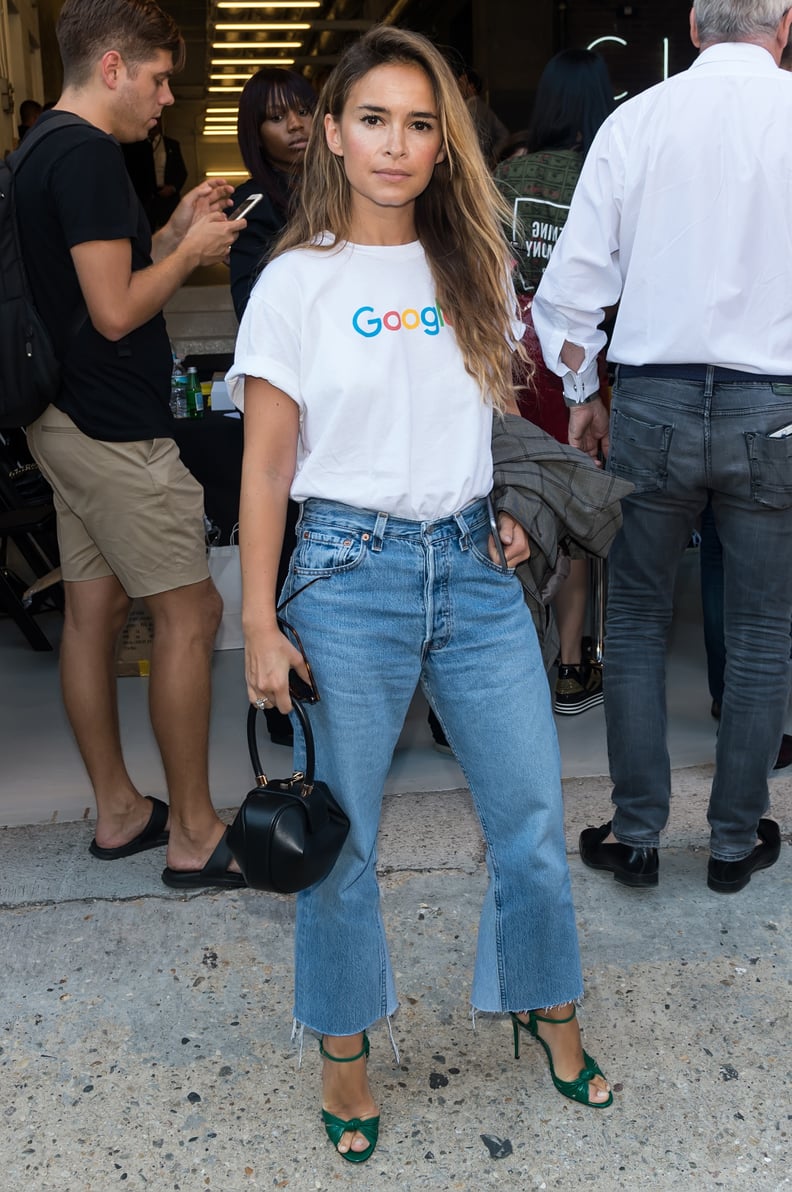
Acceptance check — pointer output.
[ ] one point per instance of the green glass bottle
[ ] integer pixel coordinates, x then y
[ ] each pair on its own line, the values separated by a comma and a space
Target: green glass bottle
195, 404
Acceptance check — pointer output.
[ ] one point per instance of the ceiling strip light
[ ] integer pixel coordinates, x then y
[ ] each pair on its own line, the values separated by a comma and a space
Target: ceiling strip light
248, 26
219, 78
255, 47
249, 61
268, 4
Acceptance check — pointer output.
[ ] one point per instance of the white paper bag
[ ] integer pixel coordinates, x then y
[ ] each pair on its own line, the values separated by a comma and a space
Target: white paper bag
226, 573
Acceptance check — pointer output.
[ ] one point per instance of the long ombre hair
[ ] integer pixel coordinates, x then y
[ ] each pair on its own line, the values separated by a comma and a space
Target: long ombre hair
459, 218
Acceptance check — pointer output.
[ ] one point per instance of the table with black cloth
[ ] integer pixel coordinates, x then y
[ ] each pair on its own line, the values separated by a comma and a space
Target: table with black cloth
211, 447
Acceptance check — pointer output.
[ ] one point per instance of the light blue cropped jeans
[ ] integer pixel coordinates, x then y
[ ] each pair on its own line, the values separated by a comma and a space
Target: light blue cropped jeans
397, 603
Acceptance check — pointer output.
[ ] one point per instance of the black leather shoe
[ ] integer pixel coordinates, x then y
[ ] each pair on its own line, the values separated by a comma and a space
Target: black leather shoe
727, 877
630, 866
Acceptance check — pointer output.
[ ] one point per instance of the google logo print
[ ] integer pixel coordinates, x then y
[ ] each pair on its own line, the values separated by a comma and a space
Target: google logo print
368, 324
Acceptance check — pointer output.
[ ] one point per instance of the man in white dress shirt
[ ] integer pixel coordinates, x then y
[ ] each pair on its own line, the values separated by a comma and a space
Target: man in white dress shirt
682, 216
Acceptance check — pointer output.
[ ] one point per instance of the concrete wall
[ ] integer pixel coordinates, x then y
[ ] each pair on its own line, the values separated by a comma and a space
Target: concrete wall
20, 64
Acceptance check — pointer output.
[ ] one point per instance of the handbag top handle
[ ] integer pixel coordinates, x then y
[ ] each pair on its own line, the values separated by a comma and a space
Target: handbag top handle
310, 753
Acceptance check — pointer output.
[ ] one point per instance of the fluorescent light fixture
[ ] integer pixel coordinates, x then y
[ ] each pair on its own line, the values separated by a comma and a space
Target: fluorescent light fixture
249, 62
221, 111
219, 78
248, 26
226, 90
268, 4
219, 132
257, 47
227, 174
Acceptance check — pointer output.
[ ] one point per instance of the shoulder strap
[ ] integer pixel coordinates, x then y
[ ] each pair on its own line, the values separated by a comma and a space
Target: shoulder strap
16, 159
39, 133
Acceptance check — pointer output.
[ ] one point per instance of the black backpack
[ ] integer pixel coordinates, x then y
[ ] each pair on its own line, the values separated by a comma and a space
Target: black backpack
29, 368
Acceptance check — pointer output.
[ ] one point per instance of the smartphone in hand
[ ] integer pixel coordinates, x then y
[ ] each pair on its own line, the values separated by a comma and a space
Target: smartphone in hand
247, 205
493, 521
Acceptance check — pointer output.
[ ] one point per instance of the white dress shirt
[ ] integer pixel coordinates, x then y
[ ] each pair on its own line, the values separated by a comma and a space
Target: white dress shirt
684, 212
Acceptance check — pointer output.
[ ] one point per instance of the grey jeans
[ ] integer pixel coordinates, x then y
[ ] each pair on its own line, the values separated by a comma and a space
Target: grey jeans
681, 442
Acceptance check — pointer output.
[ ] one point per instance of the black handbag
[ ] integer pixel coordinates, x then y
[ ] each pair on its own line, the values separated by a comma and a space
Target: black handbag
288, 833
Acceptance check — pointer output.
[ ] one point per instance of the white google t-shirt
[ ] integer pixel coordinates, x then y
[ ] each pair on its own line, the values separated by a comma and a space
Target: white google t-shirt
389, 418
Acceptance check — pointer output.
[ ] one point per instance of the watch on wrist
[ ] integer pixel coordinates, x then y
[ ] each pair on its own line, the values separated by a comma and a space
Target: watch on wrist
584, 401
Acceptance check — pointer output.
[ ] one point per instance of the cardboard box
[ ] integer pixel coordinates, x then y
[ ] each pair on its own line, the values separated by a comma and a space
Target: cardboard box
134, 647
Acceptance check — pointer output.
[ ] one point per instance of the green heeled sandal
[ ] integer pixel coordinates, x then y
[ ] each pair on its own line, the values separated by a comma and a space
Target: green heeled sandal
576, 1090
336, 1127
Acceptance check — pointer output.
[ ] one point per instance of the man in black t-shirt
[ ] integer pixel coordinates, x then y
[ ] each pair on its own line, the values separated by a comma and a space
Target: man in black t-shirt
130, 516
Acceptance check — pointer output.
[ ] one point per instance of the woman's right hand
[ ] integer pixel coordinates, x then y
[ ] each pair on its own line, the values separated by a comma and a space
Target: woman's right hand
269, 656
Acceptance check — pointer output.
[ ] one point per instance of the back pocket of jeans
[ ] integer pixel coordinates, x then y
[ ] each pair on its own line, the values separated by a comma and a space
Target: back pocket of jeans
770, 463
639, 451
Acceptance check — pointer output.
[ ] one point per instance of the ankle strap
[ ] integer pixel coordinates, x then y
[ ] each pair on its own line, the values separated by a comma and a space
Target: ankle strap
542, 1018
346, 1059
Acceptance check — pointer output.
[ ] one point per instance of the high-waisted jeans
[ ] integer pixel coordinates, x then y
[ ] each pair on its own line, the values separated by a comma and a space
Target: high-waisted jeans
683, 443
397, 603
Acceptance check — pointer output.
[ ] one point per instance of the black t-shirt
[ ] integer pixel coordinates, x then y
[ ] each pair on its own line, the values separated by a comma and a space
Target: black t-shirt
74, 188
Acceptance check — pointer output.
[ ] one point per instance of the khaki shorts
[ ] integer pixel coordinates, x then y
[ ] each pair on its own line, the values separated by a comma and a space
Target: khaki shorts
126, 509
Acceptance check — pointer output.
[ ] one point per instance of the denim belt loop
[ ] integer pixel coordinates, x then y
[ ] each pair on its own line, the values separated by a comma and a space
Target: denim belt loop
464, 532
379, 531
709, 380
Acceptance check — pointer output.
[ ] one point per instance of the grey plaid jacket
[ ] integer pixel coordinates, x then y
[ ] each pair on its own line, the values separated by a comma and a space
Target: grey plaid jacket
568, 507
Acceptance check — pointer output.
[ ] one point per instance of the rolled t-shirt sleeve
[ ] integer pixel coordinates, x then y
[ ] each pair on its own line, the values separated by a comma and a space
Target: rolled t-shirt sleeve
93, 196
269, 341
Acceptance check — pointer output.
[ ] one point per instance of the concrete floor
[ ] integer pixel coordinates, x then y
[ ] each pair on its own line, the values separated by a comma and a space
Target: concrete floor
145, 1035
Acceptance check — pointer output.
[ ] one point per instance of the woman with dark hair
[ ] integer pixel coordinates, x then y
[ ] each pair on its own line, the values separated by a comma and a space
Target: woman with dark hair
573, 98
275, 115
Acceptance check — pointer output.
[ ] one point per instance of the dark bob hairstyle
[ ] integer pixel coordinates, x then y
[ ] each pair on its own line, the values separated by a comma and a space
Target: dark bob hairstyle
573, 98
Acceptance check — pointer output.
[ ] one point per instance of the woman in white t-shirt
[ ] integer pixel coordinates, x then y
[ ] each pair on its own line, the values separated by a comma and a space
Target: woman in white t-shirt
372, 353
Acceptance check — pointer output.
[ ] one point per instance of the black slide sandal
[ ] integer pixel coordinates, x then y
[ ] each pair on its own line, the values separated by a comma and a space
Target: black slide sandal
154, 835
214, 873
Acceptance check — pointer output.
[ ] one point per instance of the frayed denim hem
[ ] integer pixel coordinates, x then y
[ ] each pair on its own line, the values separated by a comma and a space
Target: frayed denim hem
475, 1011
298, 1034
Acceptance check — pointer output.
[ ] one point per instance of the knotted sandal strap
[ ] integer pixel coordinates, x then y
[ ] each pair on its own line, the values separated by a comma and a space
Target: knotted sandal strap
578, 1089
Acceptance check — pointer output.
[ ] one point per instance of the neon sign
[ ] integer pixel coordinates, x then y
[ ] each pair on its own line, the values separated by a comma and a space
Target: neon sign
621, 42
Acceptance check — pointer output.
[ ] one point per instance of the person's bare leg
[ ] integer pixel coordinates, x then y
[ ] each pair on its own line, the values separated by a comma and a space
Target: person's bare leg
569, 605
345, 1088
95, 613
185, 624
563, 1039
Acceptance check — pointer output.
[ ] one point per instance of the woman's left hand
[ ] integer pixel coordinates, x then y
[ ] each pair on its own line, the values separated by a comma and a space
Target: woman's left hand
516, 546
